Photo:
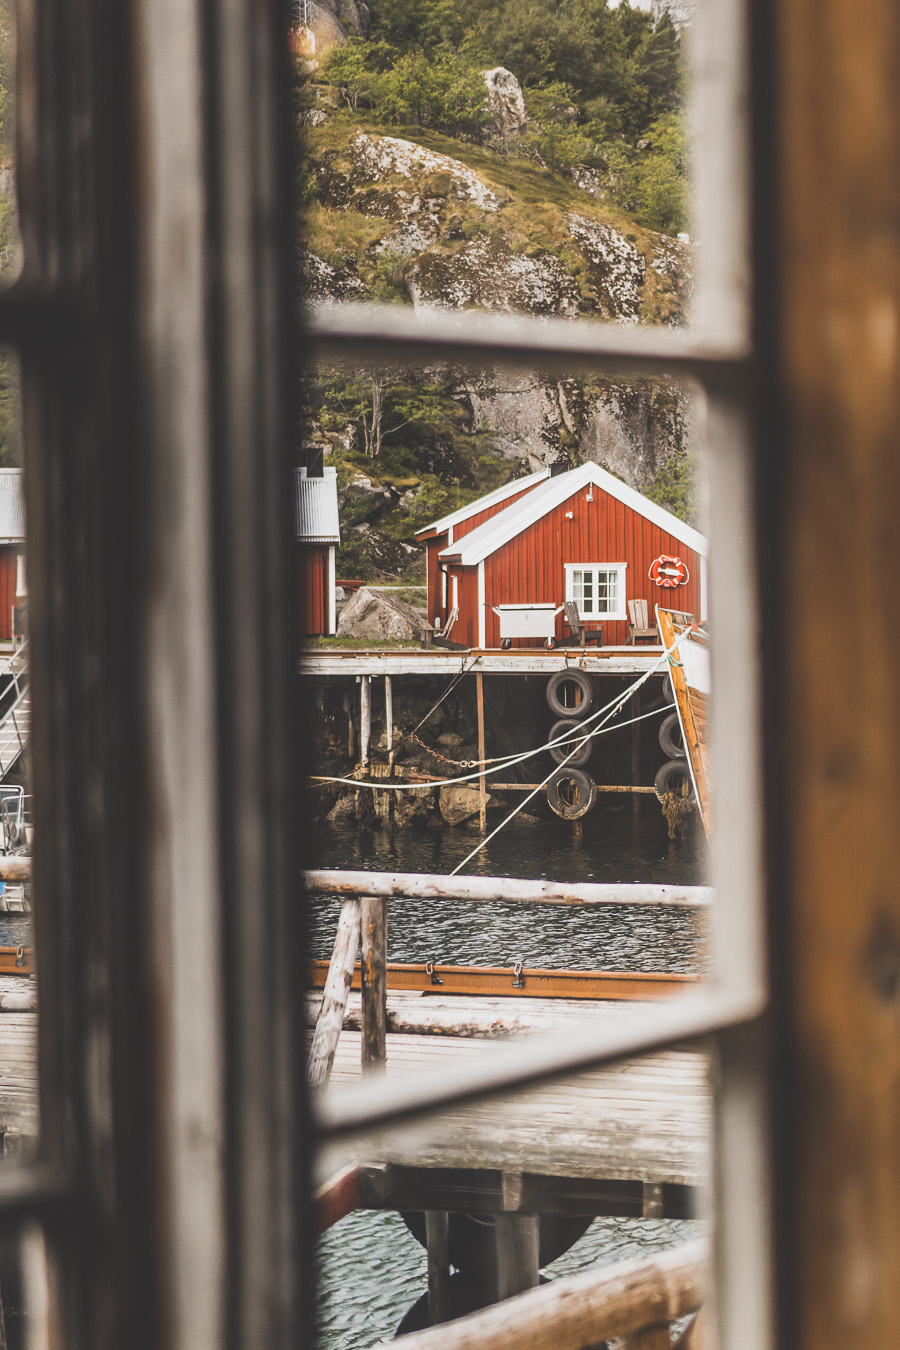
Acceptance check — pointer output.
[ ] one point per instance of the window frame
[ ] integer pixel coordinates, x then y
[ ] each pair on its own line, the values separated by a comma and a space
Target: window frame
620, 613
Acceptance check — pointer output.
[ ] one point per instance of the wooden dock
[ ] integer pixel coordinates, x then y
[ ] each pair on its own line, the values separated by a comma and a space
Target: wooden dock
623, 661
644, 1121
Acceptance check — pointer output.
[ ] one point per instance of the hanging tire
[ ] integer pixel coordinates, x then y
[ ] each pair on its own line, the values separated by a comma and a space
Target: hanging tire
571, 793
558, 753
570, 694
668, 692
670, 738
674, 777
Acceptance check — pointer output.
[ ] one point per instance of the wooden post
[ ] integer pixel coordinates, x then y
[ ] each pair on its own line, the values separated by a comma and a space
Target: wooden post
334, 1001
482, 784
365, 717
348, 709
518, 1241
437, 1238
389, 718
374, 983
635, 751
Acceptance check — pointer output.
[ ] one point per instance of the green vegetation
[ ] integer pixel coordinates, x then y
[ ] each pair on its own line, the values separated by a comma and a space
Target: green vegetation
604, 88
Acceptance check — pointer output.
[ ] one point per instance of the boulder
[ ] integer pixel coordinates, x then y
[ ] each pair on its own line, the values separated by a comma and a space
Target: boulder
344, 810
460, 802
505, 101
412, 808
380, 616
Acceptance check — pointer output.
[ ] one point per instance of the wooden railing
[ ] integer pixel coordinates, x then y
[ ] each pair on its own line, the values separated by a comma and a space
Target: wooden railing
363, 921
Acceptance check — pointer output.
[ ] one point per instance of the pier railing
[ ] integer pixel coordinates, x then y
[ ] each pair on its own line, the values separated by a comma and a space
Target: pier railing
363, 925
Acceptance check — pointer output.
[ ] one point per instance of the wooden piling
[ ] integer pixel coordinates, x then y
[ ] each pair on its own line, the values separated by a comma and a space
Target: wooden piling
651, 1338
334, 1001
389, 718
374, 982
348, 711
518, 1244
635, 749
365, 717
437, 1238
482, 784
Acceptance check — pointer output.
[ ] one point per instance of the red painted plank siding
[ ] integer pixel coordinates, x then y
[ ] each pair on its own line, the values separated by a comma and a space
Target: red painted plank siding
434, 545
312, 567
531, 567
8, 597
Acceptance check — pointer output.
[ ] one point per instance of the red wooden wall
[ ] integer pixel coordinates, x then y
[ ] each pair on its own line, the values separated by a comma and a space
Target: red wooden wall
434, 545
530, 568
8, 597
312, 568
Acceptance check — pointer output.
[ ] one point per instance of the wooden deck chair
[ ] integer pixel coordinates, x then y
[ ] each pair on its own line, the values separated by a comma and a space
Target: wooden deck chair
638, 624
579, 632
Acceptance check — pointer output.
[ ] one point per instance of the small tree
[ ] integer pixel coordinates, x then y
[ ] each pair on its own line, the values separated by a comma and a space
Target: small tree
347, 70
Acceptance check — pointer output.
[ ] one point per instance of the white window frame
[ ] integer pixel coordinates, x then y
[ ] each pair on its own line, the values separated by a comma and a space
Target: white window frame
21, 575
620, 568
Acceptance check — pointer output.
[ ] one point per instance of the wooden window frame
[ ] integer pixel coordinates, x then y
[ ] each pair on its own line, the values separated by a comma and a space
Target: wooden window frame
619, 568
154, 173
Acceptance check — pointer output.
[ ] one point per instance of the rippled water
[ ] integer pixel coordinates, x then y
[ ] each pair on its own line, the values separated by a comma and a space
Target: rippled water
371, 1270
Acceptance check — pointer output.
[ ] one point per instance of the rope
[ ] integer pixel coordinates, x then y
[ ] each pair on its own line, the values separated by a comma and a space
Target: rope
596, 732
379, 785
449, 690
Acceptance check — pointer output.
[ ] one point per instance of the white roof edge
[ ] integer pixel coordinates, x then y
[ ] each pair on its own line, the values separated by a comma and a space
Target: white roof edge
494, 533
489, 499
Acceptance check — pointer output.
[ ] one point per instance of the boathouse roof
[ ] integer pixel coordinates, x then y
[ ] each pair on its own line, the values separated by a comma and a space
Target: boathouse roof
12, 507
494, 498
497, 531
316, 518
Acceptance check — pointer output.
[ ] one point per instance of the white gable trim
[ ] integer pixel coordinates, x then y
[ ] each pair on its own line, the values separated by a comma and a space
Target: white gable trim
482, 503
500, 529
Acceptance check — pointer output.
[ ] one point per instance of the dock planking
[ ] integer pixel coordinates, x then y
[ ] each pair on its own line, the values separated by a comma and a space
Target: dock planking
642, 1120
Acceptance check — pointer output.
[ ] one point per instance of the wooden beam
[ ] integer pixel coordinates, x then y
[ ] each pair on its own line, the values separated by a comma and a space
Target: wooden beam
502, 982
482, 787
578, 1311
437, 1240
373, 982
510, 890
337, 987
17, 961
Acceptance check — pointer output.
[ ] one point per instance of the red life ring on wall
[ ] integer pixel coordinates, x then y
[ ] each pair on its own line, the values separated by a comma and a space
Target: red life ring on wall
666, 571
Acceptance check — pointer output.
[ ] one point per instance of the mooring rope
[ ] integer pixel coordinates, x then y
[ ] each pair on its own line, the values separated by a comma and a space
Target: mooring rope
379, 785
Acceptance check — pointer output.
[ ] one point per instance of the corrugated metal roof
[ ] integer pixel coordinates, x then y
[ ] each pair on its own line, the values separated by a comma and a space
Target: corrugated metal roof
12, 507
316, 508
497, 531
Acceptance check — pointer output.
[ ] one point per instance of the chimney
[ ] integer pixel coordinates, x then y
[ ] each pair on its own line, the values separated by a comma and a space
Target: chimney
314, 461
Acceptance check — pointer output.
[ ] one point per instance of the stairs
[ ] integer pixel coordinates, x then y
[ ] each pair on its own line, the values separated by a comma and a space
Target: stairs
15, 724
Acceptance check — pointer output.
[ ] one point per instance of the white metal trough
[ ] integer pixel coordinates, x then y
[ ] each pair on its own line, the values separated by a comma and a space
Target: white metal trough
528, 621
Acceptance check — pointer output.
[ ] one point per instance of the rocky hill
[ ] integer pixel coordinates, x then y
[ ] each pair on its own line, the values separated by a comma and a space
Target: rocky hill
409, 215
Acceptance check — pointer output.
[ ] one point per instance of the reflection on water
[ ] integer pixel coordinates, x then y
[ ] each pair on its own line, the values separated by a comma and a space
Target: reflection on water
371, 1270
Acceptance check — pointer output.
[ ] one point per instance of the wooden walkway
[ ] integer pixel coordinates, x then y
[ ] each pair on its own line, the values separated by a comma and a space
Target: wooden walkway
439, 661
645, 1120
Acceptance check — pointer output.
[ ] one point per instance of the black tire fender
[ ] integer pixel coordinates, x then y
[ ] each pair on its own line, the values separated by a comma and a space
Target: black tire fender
670, 737
668, 692
558, 753
673, 776
571, 793
571, 685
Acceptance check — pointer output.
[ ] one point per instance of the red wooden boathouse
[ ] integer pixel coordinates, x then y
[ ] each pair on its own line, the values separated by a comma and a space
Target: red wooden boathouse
581, 535
318, 535
450, 529
13, 583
